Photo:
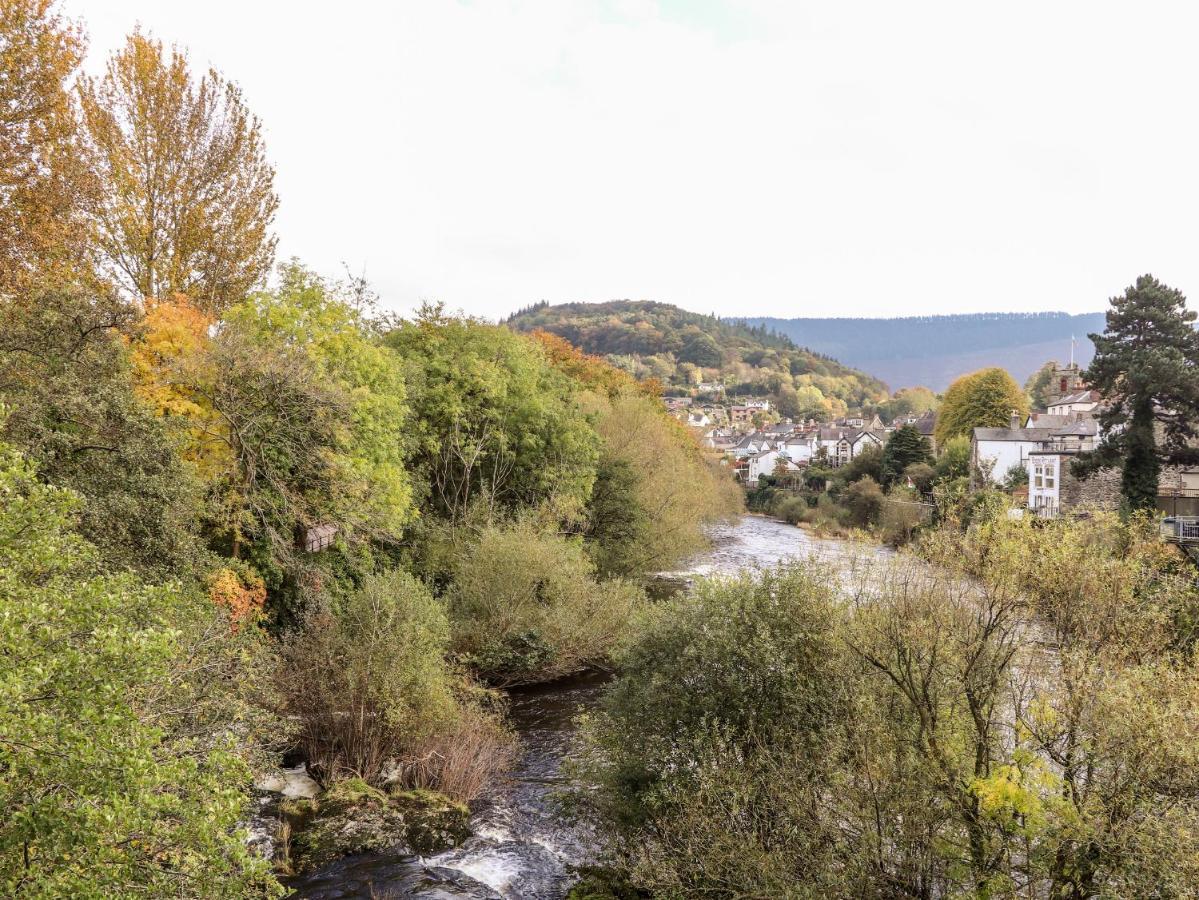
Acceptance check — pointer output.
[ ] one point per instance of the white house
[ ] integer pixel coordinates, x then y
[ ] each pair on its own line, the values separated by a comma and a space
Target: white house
998, 450
1079, 402
698, 419
1044, 482
762, 463
863, 440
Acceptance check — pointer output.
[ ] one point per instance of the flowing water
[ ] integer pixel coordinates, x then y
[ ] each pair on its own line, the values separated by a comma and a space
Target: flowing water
522, 848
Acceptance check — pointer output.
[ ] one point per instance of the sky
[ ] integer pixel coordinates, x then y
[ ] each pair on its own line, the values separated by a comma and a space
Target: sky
746, 157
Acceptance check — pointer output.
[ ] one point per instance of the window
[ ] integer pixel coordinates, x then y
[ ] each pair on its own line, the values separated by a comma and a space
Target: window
1050, 475
1038, 476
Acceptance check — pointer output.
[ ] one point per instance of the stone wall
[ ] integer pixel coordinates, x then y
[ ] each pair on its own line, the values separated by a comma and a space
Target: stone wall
1100, 491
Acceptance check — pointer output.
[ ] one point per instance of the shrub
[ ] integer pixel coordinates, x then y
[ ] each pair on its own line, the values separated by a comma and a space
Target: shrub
527, 607
864, 500
709, 683
367, 678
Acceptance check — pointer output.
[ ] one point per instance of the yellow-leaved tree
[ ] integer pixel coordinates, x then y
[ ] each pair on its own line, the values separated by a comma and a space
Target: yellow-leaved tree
42, 180
187, 195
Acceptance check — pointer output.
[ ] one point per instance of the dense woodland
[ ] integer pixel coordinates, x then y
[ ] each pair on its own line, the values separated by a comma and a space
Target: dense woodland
683, 349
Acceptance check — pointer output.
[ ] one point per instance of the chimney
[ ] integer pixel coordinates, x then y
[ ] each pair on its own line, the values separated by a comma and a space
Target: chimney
1014, 422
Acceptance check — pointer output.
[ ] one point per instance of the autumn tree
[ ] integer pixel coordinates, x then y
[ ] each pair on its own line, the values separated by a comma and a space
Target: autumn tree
1145, 368
41, 180
187, 195
984, 399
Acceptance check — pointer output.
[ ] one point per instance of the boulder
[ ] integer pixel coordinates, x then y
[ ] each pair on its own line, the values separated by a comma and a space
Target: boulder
352, 817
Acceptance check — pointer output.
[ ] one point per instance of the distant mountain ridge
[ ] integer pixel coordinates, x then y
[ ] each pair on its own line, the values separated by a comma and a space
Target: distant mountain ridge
933, 350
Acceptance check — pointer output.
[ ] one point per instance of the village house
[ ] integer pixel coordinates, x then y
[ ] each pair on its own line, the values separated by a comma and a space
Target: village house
994, 452
1086, 402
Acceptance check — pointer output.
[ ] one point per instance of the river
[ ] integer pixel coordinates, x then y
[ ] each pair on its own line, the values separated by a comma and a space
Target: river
522, 848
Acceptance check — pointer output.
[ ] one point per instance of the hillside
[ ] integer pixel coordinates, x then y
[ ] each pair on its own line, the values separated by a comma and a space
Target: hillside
933, 350
682, 349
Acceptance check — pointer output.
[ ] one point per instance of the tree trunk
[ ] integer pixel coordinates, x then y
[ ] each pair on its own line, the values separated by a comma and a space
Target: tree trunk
1139, 483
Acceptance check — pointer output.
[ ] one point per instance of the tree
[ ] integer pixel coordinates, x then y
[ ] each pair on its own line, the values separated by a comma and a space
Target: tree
1040, 383
905, 447
65, 373
493, 421
984, 399
186, 194
42, 182
114, 777
1145, 368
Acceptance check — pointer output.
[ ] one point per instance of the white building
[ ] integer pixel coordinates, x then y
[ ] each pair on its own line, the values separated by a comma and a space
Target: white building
1086, 402
996, 451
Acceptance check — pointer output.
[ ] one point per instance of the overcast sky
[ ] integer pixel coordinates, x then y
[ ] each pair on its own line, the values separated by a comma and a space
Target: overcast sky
743, 157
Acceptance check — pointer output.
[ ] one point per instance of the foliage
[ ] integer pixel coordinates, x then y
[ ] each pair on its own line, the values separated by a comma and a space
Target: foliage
864, 500
1015, 477
367, 677
42, 181
907, 402
492, 419
954, 461
526, 607
66, 376
1144, 367
921, 476
711, 682
119, 774
984, 399
655, 490
336, 334
867, 463
186, 195
1039, 385
905, 447
964, 724
658, 340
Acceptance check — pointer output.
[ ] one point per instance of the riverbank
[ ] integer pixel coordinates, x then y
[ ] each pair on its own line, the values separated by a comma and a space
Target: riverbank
520, 844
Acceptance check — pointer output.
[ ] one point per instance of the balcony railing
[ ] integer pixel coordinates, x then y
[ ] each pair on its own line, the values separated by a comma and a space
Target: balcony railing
1181, 529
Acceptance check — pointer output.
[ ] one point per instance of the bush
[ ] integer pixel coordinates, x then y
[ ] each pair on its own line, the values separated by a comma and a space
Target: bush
864, 500
921, 476
367, 678
526, 605
710, 682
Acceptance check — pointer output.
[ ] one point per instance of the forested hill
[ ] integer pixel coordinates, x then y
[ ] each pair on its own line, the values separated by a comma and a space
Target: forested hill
679, 347
933, 350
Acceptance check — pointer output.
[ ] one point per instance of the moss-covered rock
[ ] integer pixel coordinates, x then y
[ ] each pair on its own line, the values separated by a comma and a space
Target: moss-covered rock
604, 883
434, 821
353, 817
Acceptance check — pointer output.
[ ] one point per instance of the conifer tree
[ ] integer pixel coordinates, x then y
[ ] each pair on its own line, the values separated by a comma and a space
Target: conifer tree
1145, 367
906, 446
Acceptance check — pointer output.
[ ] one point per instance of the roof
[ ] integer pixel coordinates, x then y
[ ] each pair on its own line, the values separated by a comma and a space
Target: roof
1013, 434
1087, 396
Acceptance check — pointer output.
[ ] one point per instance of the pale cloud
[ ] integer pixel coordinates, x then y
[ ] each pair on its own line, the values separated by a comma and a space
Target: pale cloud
752, 157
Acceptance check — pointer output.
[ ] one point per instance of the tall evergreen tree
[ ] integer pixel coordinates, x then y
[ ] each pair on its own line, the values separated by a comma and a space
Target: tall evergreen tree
906, 446
1146, 366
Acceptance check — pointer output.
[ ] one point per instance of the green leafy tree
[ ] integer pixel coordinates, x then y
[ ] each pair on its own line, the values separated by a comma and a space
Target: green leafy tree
493, 421
66, 376
1039, 385
984, 399
905, 447
1145, 368
868, 463
112, 784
